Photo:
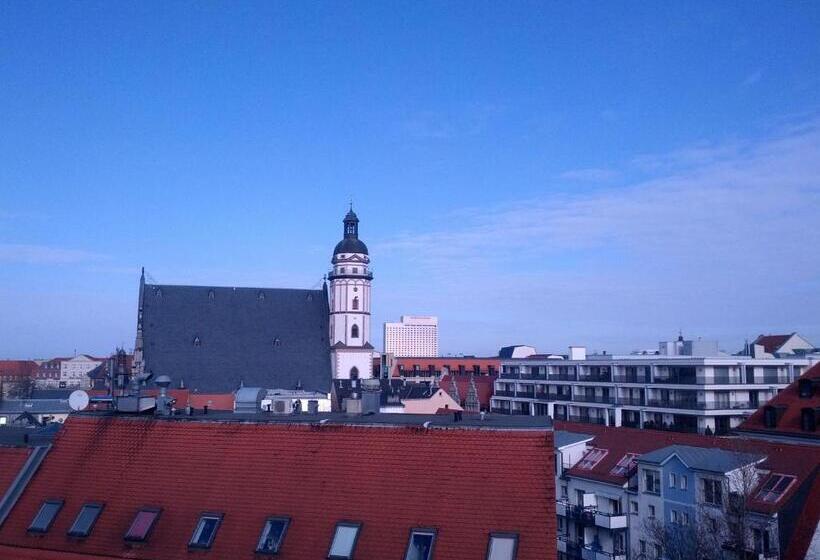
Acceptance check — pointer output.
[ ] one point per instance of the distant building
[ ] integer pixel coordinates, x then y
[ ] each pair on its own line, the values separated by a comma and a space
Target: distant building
687, 386
16, 374
413, 336
73, 370
781, 345
300, 487
48, 373
516, 351
431, 368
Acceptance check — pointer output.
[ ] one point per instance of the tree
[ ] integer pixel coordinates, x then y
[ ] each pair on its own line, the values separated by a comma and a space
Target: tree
22, 387
694, 541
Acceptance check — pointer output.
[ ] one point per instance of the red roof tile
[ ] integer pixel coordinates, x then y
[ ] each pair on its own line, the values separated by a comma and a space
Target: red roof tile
789, 405
11, 460
771, 342
18, 368
484, 384
390, 478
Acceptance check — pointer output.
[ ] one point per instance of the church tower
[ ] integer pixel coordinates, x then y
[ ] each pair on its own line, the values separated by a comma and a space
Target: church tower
350, 276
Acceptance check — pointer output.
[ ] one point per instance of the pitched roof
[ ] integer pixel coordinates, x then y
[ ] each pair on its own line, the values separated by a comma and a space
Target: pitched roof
315, 474
789, 406
772, 342
564, 438
485, 385
18, 368
213, 338
701, 458
11, 461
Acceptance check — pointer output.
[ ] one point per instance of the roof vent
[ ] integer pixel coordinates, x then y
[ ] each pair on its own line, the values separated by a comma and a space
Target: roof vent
197, 341
310, 297
211, 295
260, 296
277, 341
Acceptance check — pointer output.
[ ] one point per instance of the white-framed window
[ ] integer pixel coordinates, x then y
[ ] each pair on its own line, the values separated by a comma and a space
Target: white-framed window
344, 540
273, 533
502, 546
421, 543
684, 482
673, 480
205, 530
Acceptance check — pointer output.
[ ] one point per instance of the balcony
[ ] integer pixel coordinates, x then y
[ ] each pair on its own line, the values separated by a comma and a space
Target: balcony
525, 393
587, 420
611, 520
594, 552
632, 401
569, 546
504, 394
499, 410
563, 377
695, 405
594, 399
631, 378
596, 378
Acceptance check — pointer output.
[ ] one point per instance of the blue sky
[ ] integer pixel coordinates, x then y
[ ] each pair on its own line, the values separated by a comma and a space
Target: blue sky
551, 174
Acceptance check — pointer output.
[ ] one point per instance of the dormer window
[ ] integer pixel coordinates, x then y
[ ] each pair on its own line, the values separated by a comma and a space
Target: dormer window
142, 524
273, 533
502, 546
769, 417
45, 516
205, 530
420, 546
808, 419
344, 541
85, 520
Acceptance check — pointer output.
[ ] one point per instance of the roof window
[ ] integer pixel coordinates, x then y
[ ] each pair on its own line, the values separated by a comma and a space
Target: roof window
85, 520
273, 533
625, 465
344, 541
502, 546
592, 458
774, 487
805, 388
142, 524
205, 530
420, 546
45, 517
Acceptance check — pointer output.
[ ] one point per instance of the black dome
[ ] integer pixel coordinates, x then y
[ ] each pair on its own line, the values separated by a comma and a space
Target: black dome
350, 245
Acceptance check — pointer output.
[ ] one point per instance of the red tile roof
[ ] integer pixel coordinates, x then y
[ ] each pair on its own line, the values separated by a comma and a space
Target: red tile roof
806, 524
789, 405
18, 368
484, 384
11, 460
795, 460
389, 478
771, 342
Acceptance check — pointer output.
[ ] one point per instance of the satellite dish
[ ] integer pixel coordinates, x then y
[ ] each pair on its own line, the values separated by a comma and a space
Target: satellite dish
78, 400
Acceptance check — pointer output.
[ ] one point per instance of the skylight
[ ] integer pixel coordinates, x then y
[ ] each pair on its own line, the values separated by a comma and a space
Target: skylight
625, 465
273, 533
85, 520
142, 524
592, 458
774, 487
502, 546
45, 517
344, 541
420, 546
205, 530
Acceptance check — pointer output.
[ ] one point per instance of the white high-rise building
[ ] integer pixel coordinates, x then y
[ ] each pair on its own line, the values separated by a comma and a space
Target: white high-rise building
413, 337
351, 351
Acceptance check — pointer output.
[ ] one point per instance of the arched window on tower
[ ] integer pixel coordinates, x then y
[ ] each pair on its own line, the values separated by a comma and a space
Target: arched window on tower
354, 372
356, 302
354, 331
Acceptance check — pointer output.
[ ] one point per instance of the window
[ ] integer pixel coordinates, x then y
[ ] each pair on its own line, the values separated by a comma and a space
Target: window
774, 487
674, 516
354, 331
85, 520
684, 482
420, 546
205, 530
564, 492
652, 481
685, 518
625, 465
652, 511
273, 533
673, 480
592, 458
711, 491
502, 546
356, 302
643, 546
44, 518
633, 507
142, 524
344, 540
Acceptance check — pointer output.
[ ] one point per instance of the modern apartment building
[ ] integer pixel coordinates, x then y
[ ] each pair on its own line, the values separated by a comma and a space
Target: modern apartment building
686, 386
414, 336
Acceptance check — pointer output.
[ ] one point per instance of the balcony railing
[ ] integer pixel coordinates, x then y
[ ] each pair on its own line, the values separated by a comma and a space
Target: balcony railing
587, 420
627, 378
695, 405
504, 393
499, 410
563, 377
596, 378
594, 399
632, 401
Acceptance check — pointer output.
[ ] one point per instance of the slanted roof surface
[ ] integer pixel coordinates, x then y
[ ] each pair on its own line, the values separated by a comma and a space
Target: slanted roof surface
215, 338
701, 458
317, 475
564, 438
771, 342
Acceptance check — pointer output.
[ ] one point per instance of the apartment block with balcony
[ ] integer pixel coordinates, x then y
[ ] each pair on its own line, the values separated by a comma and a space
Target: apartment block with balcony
686, 386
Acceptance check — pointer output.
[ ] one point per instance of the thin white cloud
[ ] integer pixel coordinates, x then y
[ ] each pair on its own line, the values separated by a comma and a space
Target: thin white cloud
42, 254
720, 237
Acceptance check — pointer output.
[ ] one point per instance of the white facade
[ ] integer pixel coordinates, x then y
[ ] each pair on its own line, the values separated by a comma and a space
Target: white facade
349, 299
73, 371
413, 337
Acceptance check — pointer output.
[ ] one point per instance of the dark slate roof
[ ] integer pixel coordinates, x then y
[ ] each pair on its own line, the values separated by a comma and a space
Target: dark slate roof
350, 245
702, 458
35, 406
563, 438
213, 338
52, 393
